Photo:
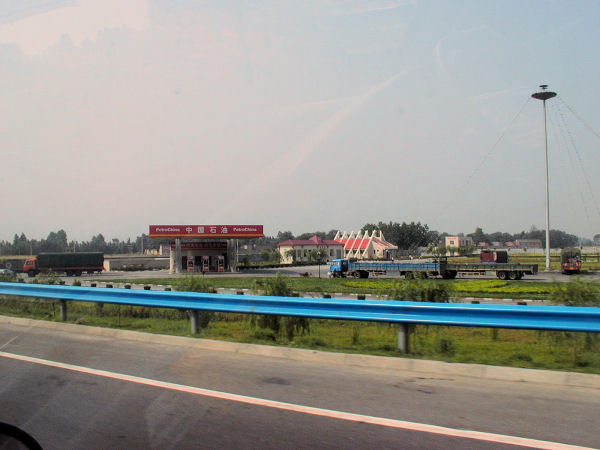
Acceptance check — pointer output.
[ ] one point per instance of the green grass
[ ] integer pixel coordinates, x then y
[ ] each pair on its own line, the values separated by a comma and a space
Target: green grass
460, 288
578, 352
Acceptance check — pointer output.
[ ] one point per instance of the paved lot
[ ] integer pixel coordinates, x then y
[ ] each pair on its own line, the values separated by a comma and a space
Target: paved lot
312, 271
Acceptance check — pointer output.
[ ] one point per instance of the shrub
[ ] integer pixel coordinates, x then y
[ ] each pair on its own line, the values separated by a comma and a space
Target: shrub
264, 334
520, 356
8, 278
311, 341
575, 293
588, 359
278, 286
197, 284
445, 346
420, 290
355, 334
49, 277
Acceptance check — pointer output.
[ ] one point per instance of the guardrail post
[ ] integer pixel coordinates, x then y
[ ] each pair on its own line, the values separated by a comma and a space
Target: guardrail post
194, 321
403, 334
63, 310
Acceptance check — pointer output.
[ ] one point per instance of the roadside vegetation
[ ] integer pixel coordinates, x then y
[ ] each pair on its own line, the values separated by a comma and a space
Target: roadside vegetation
518, 348
376, 286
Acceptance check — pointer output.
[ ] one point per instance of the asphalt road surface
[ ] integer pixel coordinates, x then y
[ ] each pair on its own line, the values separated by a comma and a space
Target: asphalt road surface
70, 390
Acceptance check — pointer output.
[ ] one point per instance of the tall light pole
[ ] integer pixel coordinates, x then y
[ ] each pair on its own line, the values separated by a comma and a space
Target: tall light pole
544, 95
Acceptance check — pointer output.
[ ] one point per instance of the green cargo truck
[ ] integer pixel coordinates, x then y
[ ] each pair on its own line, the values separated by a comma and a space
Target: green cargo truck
69, 263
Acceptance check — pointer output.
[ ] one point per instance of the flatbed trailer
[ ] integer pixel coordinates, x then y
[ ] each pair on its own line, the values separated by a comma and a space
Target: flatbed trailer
503, 271
362, 269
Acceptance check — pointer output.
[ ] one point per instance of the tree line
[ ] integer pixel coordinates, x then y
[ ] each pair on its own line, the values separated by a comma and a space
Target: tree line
58, 242
406, 236
558, 238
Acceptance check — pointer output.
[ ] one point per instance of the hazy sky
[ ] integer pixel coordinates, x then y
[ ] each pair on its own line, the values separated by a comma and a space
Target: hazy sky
299, 115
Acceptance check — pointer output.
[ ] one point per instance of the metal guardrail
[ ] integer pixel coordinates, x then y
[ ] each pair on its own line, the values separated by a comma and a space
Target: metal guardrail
402, 312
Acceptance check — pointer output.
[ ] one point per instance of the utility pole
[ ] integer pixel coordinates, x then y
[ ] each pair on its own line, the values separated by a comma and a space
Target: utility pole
544, 95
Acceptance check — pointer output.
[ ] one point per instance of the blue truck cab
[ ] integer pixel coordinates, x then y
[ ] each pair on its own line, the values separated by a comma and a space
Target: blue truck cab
338, 267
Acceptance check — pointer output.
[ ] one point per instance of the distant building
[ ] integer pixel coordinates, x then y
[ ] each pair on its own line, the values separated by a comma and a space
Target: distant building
302, 249
529, 243
458, 241
363, 245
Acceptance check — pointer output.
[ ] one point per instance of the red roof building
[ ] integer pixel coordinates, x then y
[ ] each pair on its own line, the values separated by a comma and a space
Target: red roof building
363, 245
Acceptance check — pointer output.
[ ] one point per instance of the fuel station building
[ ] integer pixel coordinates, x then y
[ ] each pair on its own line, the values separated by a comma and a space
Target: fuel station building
204, 248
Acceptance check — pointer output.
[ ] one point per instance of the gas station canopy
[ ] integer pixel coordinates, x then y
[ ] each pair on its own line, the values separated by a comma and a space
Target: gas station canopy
206, 231
206, 248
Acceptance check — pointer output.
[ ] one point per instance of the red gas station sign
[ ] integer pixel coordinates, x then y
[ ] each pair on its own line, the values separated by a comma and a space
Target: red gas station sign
206, 231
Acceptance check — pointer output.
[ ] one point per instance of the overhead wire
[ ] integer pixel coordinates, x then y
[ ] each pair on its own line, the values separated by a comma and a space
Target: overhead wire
561, 140
580, 160
462, 187
589, 127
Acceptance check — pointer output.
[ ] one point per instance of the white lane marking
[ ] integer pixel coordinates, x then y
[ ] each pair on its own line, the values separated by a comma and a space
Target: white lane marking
8, 342
382, 421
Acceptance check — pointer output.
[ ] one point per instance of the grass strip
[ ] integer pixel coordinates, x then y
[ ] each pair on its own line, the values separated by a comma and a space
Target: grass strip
578, 352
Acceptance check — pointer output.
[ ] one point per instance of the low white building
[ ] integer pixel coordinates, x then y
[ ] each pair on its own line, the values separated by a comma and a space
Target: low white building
302, 249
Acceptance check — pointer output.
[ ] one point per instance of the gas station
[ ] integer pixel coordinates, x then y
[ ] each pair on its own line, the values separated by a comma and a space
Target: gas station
204, 248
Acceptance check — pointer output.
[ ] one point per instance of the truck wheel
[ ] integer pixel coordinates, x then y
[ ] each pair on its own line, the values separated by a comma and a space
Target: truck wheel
31, 274
408, 276
502, 275
512, 275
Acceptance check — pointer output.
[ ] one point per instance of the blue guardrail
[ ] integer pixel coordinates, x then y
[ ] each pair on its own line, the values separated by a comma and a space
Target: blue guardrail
477, 315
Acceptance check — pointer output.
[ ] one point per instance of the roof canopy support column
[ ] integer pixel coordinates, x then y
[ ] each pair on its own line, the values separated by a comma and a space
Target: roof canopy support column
177, 255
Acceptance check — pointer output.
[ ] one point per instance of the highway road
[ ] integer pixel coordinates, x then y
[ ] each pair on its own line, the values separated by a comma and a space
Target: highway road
71, 389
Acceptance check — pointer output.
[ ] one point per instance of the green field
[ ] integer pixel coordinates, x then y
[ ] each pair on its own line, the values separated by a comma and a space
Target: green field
459, 288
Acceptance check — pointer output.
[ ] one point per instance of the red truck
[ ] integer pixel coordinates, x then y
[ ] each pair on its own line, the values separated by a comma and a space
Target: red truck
570, 260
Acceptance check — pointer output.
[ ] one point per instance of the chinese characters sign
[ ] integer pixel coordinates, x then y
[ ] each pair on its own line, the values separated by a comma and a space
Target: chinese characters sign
212, 245
206, 231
